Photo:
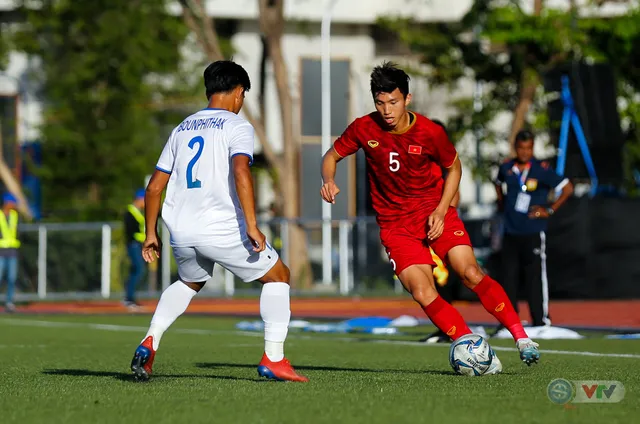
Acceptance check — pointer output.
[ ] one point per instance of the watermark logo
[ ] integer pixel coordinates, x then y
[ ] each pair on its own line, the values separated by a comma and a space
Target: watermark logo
560, 391
563, 391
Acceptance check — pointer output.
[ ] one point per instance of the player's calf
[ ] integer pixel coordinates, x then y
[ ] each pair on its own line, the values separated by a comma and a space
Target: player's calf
418, 280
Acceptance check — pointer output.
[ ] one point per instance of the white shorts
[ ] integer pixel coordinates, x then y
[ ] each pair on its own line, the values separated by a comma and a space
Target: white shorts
195, 264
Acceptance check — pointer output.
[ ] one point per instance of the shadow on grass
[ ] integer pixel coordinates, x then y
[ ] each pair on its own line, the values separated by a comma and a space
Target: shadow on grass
129, 377
330, 369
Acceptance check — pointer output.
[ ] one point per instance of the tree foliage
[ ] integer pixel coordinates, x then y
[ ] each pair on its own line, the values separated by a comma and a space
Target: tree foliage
498, 43
102, 63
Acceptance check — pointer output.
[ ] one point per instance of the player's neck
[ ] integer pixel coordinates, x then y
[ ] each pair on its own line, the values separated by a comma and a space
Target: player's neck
403, 123
222, 101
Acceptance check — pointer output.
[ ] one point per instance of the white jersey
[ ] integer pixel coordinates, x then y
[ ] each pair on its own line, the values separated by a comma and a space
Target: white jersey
201, 201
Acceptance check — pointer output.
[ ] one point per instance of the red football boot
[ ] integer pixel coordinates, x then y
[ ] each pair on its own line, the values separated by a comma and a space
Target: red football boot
280, 371
142, 361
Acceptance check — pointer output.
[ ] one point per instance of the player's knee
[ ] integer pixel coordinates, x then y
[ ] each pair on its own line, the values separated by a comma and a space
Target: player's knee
472, 275
195, 286
424, 294
280, 273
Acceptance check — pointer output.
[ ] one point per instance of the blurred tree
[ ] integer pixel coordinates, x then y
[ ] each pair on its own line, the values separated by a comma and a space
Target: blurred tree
8, 177
103, 74
509, 49
284, 169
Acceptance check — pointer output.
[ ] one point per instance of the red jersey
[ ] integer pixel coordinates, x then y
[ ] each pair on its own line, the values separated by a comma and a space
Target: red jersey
403, 168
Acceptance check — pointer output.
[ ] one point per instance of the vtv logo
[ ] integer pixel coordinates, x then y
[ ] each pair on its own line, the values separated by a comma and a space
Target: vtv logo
598, 391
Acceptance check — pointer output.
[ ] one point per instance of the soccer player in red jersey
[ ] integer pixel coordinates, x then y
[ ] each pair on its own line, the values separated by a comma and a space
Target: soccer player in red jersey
412, 202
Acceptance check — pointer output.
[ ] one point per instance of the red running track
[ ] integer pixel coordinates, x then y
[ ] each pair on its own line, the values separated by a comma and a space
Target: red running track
596, 314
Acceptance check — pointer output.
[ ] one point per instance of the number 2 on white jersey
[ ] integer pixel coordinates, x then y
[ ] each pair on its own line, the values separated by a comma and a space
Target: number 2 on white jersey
394, 164
191, 182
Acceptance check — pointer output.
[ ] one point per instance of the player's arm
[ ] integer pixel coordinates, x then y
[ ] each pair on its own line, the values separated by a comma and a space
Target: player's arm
329, 188
241, 154
451, 184
152, 201
244, 188
447, 157
346, 145
456, 200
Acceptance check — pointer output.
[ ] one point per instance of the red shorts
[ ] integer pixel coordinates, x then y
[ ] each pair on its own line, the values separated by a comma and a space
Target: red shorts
405, 247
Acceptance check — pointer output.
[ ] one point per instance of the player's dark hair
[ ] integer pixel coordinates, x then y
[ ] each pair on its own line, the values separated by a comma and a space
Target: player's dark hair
387, 77
222, 76
523, 135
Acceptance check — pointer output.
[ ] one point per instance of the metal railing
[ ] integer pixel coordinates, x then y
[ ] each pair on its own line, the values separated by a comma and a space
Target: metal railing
88, 260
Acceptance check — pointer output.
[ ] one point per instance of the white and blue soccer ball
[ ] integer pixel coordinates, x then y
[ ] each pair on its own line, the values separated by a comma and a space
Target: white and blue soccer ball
470, 355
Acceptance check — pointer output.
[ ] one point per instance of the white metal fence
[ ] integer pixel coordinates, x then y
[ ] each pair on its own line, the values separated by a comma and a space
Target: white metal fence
88, 260
54, 254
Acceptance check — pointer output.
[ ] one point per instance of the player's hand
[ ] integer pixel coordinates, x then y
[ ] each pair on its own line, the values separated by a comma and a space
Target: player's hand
329, 191
258, 240
436, 225
538, 212
151, 248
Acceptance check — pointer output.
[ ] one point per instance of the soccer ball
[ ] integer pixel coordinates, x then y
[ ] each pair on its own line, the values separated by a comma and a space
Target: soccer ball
470, 355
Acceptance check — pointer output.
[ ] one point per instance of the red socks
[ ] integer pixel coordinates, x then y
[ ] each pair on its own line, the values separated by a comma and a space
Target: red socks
497, 303
446, 318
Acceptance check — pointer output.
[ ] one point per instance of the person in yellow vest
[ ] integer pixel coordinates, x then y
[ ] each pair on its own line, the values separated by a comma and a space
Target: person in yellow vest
134, 237
9, 245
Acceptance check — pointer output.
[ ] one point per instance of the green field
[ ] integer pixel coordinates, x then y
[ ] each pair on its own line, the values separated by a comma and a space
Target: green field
67, 369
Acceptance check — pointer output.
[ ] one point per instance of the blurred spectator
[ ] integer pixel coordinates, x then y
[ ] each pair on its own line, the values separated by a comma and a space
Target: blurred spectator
9, 245
525, 204
134, 237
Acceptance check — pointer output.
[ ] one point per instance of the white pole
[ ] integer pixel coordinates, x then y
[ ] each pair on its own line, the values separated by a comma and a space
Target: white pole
325, 31
229, 288
166, 257
284, 236
106, 261
42, 261
345, 285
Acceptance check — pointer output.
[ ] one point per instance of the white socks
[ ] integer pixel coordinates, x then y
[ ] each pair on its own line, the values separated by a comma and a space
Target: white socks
275, 312
173, 303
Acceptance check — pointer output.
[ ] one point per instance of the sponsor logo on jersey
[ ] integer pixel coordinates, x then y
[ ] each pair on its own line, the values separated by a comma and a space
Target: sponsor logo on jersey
459, 233
373, 144
415, 150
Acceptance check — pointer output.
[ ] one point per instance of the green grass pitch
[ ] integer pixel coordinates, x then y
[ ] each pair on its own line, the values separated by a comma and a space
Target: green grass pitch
67, 369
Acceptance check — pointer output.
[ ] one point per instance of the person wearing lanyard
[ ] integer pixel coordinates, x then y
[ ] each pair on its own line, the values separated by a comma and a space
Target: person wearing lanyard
525, 204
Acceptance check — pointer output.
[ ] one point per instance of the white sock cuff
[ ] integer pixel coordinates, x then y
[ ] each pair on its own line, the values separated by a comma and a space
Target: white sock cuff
275, 288
184, 288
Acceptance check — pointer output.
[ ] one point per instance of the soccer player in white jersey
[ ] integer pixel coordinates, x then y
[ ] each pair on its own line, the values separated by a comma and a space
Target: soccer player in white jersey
210, 212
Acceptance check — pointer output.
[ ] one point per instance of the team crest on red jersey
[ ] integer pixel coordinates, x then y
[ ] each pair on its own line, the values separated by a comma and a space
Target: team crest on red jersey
415, 150
373, 144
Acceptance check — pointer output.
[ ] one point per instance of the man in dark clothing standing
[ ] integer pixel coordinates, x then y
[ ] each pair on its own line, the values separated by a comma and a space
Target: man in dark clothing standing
526, 206
134, 237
